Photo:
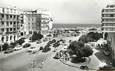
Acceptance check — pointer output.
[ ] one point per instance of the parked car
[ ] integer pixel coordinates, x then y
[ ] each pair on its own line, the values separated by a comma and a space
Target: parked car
41, 48
56, 44
32, 50
26, 45
45, 39
18, 48
57, 56
38, 42
9, 51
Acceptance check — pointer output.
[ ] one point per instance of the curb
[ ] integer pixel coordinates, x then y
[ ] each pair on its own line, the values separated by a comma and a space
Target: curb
75, 66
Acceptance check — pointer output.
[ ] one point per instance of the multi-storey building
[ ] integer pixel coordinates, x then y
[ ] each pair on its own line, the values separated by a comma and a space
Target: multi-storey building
108, 26
9, 24
36, 21
15, 23
30, 23
46, 21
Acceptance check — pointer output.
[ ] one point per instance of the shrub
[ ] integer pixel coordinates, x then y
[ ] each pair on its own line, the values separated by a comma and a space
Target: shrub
77, 60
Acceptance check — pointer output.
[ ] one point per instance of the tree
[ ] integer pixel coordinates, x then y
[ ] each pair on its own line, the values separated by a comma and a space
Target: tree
75, 46
86, 51
85, 39
13, 44
46, 49
5, 46
36, 36
95, 35
80, 50
20, 41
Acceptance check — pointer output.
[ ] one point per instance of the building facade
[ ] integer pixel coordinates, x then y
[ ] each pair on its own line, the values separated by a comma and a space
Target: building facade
46, 22
35, 21
108, 26
30, 23
9, 24
16, 23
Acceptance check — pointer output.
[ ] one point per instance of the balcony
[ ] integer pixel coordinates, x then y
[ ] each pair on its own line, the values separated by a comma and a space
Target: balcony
3, 19
108, 21
108, 28
10, 32
108, 17
112, 8
108, 12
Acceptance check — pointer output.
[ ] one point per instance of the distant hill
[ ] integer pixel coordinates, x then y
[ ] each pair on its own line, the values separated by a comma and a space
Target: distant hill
75, 25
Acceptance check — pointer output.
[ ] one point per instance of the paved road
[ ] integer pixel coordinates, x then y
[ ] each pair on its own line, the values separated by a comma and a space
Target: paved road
22, 61
15, 62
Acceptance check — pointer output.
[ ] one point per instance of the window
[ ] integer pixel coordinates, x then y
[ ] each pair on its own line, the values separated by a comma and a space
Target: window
10, 23
14, 38
14, 23
17, 16
7, 17
10, 37
14, 29
2, 39
7, 23
14, 16
10, 16
2, 29
2, 15
7, 29
2, 23
111, 15
6, 38
10, 29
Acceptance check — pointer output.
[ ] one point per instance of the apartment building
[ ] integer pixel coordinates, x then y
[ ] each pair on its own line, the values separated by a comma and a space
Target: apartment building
108, 26
16, 23
29, 23
46, 22
36, 21
9, 24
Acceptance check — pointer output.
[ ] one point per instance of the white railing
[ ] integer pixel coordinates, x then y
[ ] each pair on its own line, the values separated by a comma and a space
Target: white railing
108, 17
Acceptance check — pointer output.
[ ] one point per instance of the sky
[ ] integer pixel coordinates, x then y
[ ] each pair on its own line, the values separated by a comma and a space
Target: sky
65, 11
